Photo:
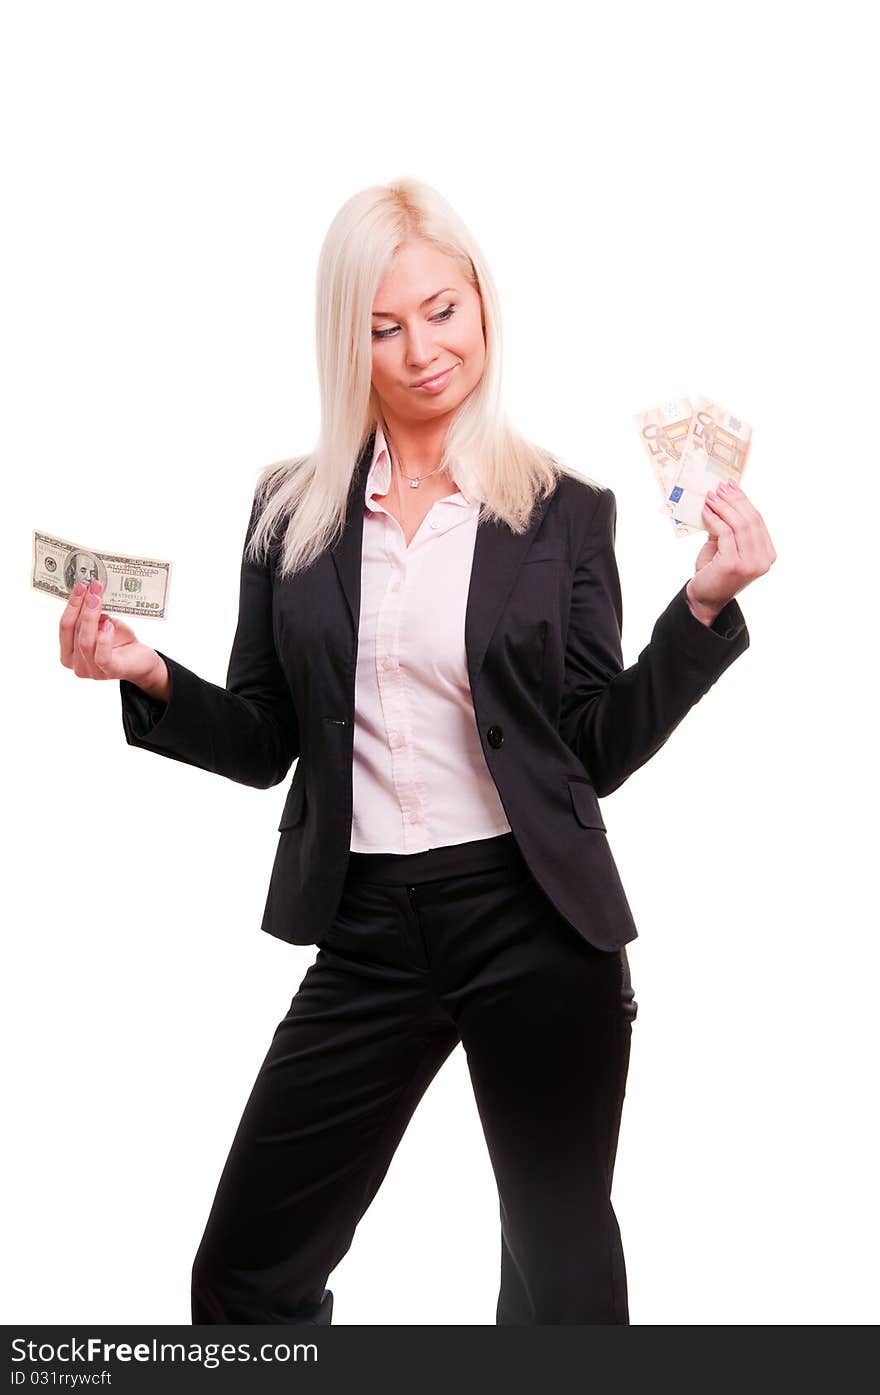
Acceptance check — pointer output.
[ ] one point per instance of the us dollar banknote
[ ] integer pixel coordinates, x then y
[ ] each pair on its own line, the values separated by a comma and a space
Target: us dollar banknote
132, 585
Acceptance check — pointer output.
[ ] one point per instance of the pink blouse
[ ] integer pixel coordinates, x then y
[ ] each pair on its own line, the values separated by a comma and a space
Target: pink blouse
420, 778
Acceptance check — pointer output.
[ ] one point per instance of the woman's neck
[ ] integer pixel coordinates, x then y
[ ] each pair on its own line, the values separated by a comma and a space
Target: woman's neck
417, 446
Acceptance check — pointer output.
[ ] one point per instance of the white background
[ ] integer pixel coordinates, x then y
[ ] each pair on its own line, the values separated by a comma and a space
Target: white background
674, 199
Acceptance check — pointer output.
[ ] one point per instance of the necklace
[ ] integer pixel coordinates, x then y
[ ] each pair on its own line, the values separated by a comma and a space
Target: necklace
415, 480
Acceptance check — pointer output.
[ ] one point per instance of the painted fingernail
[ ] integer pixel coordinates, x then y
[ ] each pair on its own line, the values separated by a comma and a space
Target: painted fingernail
733, 484
79, 588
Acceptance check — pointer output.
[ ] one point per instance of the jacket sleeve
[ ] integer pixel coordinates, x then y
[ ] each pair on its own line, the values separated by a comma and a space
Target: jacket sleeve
246, 731
614, 718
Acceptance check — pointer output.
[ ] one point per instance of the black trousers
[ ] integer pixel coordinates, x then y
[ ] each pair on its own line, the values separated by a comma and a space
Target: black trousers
457, 944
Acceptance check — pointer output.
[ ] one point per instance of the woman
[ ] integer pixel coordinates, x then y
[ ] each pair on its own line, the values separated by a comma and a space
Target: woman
429, 624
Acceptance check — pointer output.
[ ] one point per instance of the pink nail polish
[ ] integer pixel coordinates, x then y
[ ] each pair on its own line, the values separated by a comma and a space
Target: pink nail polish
79, 588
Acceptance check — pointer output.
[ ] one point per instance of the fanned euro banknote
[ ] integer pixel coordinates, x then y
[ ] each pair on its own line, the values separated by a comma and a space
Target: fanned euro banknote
692, 447
132, 585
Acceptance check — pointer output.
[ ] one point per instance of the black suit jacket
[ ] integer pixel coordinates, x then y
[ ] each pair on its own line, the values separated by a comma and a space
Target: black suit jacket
561, 721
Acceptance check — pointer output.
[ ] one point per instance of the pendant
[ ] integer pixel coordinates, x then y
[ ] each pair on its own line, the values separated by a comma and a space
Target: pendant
414, 484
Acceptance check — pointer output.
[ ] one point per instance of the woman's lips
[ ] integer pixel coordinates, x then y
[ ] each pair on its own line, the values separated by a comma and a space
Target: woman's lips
437, 384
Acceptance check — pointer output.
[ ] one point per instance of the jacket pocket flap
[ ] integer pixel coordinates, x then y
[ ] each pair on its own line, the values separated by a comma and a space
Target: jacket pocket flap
585, 803
294, 804
548, 550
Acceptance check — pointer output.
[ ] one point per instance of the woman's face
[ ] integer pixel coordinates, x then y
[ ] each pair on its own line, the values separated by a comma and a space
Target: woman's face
427, 320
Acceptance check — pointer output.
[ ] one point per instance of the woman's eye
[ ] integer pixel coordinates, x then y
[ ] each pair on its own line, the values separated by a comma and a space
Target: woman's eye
445, 314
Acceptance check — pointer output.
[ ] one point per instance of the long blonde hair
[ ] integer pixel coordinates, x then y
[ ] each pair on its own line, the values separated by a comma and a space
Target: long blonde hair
311, 491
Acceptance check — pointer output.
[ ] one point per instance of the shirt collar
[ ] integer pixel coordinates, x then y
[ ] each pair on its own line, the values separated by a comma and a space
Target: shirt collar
379, 477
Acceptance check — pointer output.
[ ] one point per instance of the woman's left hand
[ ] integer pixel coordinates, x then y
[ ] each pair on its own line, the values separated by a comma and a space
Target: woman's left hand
737, 550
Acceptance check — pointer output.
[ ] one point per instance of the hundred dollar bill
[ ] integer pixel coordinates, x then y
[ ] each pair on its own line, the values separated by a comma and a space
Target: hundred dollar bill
716, 448
663, 431
132, 585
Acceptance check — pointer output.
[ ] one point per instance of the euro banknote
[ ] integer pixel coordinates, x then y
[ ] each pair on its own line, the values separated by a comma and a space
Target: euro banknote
663, 431
132, 585
690, 457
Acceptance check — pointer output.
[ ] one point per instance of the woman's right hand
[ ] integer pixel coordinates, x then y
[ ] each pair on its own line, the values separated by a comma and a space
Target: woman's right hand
96, 647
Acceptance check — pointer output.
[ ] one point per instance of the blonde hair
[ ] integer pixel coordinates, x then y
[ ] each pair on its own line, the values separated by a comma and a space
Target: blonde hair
311, 491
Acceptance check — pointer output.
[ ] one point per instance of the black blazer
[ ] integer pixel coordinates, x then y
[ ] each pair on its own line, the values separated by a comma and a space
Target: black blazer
561, 721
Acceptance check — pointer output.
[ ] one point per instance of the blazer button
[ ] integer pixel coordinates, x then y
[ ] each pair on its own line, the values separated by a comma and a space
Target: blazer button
495, 736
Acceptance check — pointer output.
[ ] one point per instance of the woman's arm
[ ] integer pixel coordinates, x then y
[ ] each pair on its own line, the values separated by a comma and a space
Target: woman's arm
246, 731
158, 685
615, 719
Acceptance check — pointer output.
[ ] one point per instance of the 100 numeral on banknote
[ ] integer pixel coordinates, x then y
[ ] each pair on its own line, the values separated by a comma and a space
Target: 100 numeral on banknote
132, 585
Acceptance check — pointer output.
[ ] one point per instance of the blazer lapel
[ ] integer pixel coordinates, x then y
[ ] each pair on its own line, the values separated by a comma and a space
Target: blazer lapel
498, 556
346, 551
